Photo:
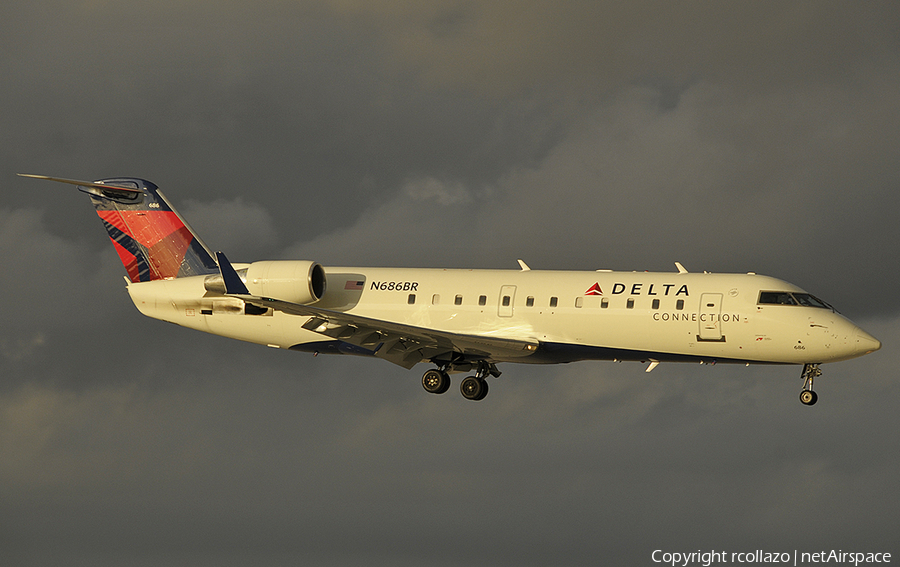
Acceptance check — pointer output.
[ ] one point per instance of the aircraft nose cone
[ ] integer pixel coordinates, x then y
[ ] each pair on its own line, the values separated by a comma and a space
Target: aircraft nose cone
865, 342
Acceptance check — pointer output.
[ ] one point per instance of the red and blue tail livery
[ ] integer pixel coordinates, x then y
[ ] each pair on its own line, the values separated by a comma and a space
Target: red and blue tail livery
152, 240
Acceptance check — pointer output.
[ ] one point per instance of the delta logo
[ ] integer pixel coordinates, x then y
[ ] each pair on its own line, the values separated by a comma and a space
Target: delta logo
594, 290
638, 288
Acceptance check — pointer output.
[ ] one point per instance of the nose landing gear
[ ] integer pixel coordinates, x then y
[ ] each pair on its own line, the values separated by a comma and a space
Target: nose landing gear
807, 396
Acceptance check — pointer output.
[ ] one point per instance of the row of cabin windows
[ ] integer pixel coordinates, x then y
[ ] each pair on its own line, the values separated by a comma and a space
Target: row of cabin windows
506, 301
529, 301
629, 304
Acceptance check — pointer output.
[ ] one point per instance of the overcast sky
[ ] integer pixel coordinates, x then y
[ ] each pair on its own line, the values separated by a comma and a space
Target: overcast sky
744, 136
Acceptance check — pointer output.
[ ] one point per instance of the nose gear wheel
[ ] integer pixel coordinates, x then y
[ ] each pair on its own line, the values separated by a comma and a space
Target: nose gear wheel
810, 372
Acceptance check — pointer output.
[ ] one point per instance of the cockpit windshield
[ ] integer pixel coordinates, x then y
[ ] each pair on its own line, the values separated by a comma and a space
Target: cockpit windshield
792, 298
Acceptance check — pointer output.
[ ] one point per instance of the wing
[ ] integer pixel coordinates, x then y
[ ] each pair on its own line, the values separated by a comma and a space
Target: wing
402, 344
399, 343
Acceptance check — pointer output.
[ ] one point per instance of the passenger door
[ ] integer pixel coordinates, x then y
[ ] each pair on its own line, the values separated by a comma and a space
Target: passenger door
711, 317
507, 300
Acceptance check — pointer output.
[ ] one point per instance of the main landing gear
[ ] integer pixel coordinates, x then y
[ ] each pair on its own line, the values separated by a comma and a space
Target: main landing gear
437, 381
807, 396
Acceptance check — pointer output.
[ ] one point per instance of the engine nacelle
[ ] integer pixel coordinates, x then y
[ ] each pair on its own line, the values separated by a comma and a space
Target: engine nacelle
297, 281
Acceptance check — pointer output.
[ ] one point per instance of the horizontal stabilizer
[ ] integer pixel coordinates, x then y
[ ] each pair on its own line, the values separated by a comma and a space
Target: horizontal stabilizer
92, 184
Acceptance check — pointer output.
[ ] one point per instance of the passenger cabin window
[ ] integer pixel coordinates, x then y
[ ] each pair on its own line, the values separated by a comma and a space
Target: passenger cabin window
458, 300
604, 303
579, 302
630, 303
505, 301
529, 302
435, 299
656, 304
412, 299
679, 304
554, 301
482, 300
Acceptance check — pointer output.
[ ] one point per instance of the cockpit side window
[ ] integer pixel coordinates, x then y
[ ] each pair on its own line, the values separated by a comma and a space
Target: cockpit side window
788, 298
776, 298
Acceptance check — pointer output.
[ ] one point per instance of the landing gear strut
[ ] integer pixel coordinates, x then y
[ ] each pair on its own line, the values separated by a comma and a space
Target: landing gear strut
807, 396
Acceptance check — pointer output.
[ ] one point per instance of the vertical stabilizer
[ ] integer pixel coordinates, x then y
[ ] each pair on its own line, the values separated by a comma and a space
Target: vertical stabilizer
151, 238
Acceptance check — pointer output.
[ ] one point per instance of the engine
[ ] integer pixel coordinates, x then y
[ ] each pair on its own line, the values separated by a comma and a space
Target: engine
296, 281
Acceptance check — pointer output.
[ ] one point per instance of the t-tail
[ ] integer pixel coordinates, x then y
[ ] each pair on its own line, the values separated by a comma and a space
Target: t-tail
151, 238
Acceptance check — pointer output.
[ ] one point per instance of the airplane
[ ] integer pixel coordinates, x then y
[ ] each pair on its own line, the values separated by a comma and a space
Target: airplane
462, 320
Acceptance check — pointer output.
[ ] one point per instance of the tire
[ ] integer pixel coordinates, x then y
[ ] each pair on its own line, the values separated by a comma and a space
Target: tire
435, 382
484, 391
473, 388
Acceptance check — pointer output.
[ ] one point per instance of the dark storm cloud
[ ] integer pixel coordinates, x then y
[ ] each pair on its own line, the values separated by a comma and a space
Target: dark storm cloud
504, 48
730, 137
223, 101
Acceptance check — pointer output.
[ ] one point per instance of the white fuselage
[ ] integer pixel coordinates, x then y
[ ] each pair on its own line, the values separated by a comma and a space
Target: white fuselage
572, 315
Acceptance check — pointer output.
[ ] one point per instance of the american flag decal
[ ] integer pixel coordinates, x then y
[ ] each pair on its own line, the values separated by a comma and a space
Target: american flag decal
354, 285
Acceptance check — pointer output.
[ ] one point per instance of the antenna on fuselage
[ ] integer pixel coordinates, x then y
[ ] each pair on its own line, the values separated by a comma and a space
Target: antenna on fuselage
681, 269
